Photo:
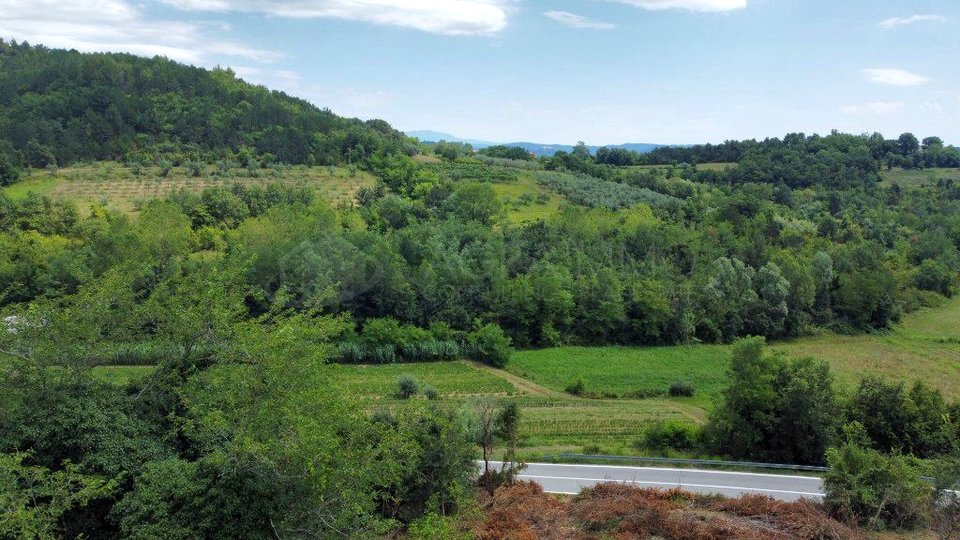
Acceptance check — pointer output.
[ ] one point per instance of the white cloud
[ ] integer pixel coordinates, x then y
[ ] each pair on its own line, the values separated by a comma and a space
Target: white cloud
346, 100
894, 22
578, 21
691, 5
875, 108
450, 17
117, 25
895, 77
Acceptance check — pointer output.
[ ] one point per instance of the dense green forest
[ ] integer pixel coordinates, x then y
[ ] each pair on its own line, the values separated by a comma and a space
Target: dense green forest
242, 296
59, 107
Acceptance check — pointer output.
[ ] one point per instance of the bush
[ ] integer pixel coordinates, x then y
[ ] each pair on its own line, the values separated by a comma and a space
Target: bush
671, 435
681, 389
431, 392
407, 387
576, 388
433, 526
9, 171
869, 488
490, 345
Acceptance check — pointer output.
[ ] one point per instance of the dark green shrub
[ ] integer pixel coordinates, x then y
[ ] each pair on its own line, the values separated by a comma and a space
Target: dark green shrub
9, 171
681, 389
488, 344
576, 388
407, 387
430, 392
869, 488
670, 435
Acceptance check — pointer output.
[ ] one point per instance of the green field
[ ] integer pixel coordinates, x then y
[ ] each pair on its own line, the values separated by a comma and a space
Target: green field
117, 186
918, 177
924, 347
551, 421
565, 424
621, 371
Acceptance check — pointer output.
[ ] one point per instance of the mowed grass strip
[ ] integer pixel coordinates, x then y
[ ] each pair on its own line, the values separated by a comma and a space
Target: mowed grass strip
449, 378
626, 371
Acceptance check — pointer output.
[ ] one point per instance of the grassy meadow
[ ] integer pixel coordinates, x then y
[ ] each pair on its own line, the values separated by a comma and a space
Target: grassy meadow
924, 346
526, 200
627, 371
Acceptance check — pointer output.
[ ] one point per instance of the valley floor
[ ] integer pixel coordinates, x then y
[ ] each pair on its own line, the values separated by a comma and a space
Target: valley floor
923, 347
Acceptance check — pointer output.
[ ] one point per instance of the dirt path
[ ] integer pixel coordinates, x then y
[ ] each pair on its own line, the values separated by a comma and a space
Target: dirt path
521, 384
530, 388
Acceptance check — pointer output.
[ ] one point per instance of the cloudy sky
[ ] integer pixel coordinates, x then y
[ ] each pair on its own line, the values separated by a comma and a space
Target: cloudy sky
558, 71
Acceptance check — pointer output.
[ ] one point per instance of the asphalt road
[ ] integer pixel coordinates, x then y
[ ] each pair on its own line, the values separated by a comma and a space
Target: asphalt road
570, 479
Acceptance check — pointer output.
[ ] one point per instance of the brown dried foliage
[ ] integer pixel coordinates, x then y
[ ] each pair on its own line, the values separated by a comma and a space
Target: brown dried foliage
522, 511
621, 511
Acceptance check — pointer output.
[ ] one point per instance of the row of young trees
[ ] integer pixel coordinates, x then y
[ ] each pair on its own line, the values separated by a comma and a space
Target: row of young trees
905, 151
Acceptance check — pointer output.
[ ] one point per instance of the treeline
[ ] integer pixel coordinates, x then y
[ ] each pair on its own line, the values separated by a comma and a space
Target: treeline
837, 160
906, 151
58, 107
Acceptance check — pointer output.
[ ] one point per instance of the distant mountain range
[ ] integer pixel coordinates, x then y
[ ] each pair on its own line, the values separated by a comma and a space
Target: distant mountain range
538, 149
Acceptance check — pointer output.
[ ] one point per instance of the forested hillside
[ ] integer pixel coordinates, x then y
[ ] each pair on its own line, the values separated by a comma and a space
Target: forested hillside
239, 296
58, 107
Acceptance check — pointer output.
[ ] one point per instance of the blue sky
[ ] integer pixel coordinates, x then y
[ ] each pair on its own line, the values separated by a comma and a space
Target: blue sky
558, 71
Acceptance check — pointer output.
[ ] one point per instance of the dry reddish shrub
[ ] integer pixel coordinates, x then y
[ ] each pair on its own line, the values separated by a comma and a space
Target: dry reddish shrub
625, 512
802, 519
523, 511
603, 506
691, 525
631, 512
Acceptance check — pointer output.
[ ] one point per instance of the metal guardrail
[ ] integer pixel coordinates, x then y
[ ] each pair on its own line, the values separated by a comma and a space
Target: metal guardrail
678, 461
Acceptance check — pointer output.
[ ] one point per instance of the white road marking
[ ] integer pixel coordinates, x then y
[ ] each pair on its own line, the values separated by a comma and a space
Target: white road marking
667, 469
